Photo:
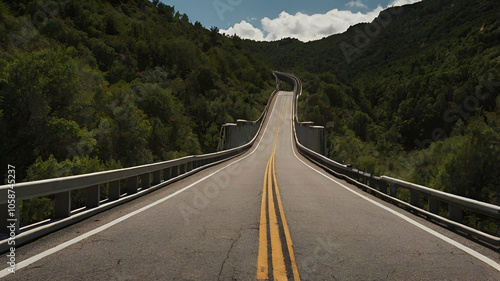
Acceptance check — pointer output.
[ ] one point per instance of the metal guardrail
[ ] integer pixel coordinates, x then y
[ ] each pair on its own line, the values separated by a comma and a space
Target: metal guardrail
387, 187
137, 181
437, 195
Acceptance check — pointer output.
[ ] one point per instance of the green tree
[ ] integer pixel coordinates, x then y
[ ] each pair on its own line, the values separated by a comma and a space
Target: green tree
206, 78
471, 170
359, 124
214, 33
184, 55
133, 130
143, 52
104, 54
110, 24
167, 11
38, 87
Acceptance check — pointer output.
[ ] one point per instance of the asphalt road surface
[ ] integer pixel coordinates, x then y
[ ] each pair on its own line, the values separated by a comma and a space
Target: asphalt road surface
268, 214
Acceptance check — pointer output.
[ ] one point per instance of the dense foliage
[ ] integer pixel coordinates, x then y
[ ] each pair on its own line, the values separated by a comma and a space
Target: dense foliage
414, 94
92, 85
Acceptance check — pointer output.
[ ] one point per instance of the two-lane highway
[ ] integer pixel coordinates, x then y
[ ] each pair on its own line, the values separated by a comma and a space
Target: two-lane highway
275, 242
266, 214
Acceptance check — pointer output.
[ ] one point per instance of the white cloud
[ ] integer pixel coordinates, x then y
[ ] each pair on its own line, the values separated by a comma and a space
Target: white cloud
357, 3
307, 27
313, 27
245, 30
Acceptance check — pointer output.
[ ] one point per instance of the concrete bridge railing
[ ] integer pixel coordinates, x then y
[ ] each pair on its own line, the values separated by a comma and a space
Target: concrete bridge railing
235, 134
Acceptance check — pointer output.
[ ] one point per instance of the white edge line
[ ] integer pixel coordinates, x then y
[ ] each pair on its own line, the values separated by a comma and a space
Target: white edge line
462, 247
66, 244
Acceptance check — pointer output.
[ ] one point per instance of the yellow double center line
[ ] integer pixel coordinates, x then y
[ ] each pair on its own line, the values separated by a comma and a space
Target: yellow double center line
268, 210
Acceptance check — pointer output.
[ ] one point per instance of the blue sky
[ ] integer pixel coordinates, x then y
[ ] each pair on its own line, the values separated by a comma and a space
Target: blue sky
274, 19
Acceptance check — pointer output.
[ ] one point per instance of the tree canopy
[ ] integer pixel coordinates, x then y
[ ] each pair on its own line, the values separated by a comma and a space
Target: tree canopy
120, 82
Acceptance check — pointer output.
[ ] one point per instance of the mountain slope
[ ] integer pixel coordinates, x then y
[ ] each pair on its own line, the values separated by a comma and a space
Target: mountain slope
90, 85
414, 94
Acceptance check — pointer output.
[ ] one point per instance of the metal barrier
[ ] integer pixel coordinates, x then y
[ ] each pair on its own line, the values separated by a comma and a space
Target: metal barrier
136, 181
387, 187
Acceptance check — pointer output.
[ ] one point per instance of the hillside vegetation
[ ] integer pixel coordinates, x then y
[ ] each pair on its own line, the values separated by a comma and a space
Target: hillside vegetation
414, 94
94, 85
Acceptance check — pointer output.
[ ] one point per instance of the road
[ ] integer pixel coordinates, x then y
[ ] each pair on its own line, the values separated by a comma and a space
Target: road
268, 214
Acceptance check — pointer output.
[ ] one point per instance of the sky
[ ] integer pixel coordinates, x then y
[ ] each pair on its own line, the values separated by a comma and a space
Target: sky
269, 20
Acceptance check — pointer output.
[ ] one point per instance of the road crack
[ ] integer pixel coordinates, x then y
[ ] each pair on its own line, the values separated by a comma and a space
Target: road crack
227, 255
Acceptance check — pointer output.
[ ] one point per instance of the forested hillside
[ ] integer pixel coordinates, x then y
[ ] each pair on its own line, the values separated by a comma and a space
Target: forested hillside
414, 94
94, 85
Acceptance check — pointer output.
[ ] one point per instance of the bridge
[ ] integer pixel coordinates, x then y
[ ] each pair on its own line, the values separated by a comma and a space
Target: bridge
269, 209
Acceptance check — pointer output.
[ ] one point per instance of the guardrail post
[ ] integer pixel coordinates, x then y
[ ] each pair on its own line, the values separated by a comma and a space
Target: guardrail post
132, 183
156, 177
182, 169
394, 190
383, 187
93, 196
414, 198
189, 166
63, 204
166, 174
175, 171
433, 205
114, 190
145, 181
455, 213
